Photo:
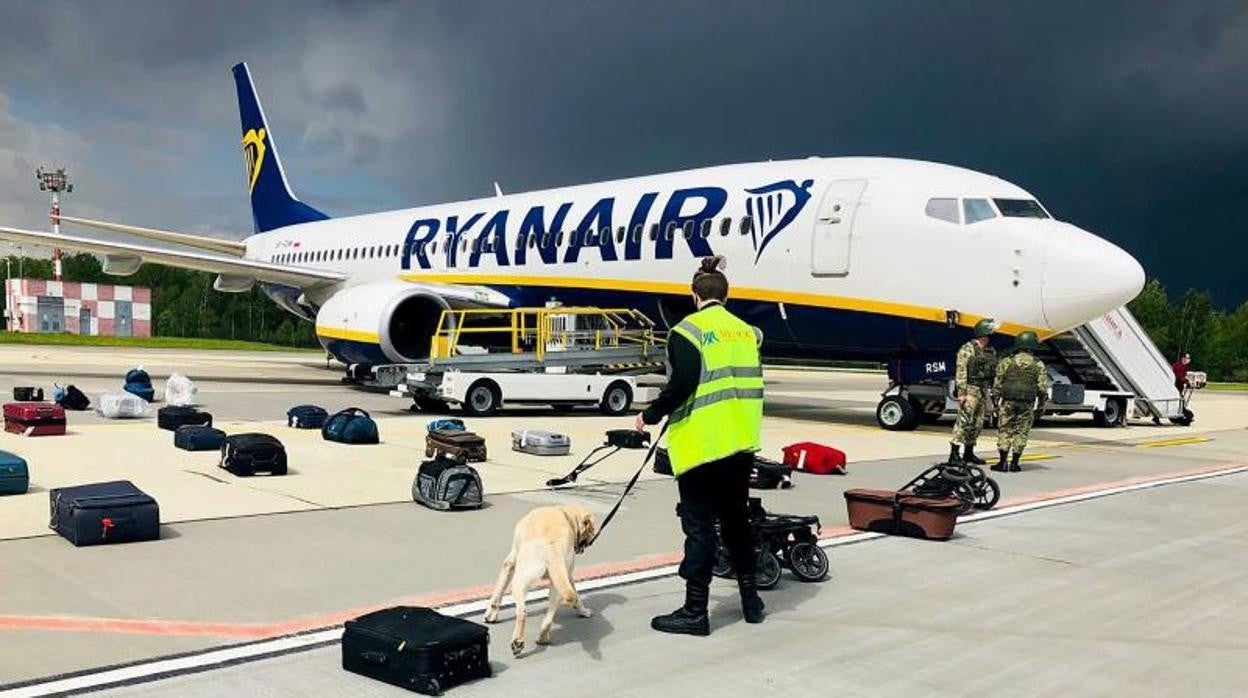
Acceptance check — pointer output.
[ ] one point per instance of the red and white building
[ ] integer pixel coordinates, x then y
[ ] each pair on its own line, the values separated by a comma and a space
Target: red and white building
36, 305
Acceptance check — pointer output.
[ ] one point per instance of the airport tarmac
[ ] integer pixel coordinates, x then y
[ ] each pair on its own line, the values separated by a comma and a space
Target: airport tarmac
1076, 597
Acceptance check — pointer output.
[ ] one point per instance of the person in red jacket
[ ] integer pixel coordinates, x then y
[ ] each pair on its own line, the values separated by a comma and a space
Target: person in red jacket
1180, 372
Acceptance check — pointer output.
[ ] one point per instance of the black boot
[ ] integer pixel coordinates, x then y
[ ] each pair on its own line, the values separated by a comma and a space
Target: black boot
689, 619
1014, 467
954, 456
970, 456
1001, 467
752, 606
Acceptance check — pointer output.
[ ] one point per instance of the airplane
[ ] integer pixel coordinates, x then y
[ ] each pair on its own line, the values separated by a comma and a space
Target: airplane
843, 258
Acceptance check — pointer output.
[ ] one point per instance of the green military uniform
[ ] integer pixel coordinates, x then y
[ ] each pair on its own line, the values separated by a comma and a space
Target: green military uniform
976, 366
1022, 386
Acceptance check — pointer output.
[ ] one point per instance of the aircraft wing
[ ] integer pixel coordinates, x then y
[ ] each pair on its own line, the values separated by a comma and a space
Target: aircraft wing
125, 255
203, 242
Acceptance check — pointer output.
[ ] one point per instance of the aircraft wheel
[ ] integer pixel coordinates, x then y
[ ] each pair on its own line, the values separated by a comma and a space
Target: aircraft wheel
896, 413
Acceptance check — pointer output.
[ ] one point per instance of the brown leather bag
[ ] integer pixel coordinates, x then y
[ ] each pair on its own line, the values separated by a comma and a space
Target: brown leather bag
463, 446
902, 513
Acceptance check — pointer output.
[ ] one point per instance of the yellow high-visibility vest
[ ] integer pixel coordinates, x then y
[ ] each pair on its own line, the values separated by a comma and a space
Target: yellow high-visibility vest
725, 414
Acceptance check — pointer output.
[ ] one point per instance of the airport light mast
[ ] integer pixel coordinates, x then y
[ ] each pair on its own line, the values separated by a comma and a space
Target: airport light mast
55, 181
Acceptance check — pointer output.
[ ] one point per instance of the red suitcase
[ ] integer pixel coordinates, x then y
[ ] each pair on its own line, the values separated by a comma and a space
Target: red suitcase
814, 458
34, 418
902, 513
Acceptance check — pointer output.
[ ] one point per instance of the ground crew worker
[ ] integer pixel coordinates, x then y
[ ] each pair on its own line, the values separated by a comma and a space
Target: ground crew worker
714, 405
1022, 388
977, 364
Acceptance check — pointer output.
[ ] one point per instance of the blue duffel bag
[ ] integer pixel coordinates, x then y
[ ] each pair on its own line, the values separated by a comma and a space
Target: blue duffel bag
351, 426
446, 424
14, 475
306, 417
143, 390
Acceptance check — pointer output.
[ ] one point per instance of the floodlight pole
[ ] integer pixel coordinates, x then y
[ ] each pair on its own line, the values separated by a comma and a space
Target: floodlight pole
55, 181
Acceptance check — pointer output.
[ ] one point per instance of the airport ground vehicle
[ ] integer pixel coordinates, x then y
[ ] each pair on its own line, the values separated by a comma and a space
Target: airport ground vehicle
481, 359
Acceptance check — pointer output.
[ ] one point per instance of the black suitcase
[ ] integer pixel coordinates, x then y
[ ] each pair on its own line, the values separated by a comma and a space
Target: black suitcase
416, 648
248, 454
27, 394
104, 512
198, 438
172, 417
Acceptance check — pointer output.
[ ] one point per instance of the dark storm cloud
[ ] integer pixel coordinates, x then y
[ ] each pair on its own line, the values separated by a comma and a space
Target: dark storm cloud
1126, 118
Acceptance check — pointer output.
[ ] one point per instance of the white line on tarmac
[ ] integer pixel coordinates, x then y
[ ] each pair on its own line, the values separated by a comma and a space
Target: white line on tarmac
208, 660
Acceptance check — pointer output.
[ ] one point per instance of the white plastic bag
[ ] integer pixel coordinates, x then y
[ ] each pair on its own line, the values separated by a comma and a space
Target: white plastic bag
180, 391
121, 405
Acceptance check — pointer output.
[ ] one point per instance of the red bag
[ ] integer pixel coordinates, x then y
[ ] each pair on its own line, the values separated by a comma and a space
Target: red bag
814, 458
34, 418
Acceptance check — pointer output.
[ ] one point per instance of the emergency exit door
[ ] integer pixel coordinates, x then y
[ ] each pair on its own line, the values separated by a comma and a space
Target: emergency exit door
834, 226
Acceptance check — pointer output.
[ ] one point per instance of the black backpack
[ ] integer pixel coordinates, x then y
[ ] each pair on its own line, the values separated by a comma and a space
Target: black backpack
74, 399
443, 483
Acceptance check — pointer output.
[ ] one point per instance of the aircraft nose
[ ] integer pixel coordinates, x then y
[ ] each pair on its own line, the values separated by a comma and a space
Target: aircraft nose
1086, 276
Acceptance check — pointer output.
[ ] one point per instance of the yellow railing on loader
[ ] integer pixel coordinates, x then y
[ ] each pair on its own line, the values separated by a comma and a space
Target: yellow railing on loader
540, 330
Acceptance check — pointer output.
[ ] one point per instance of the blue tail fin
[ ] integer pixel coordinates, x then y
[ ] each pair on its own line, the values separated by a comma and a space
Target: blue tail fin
272, 203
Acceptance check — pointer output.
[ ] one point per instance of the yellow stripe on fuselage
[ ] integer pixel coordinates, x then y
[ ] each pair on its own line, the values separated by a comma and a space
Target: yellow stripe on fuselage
352, 335
816, 300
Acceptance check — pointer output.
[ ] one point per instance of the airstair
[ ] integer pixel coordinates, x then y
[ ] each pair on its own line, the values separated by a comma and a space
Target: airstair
1113, 353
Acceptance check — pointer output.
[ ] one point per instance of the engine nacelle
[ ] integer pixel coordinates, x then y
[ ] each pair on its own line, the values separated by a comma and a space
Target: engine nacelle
390, 321
121, 264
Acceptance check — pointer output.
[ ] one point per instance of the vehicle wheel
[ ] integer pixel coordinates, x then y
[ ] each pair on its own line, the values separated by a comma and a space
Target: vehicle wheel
1186, 420
768, 575
896, 413
617, 399
723, 563
808, 561
482, 399
1114, 414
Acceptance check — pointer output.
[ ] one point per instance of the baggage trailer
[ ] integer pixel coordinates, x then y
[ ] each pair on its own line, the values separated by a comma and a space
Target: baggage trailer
565, 357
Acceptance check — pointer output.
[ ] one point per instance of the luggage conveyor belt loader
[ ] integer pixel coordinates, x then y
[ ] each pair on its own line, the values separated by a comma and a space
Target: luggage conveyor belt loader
1107, 367
564, 357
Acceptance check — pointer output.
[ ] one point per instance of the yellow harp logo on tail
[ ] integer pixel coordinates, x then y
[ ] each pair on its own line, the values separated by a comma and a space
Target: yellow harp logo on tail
253, 155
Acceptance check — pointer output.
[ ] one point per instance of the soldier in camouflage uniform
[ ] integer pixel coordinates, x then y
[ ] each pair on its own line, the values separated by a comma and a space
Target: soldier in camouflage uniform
977, 363
1022, 387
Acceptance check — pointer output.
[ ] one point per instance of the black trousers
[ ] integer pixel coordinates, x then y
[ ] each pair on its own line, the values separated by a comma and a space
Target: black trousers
716, 492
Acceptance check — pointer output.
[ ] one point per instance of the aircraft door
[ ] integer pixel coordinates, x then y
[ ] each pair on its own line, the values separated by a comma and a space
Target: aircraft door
830, 246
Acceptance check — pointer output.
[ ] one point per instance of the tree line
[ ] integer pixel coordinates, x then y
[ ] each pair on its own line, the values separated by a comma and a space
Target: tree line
1216, 339
184, 303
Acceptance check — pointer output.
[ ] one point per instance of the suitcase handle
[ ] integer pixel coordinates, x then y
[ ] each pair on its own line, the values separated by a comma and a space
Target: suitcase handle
375, 658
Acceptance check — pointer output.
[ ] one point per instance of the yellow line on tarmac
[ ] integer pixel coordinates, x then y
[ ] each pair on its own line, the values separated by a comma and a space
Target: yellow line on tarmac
1037, 456
1175, 442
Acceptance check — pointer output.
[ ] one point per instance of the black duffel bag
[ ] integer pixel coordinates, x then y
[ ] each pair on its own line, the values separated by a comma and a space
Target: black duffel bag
71, 398
171, 417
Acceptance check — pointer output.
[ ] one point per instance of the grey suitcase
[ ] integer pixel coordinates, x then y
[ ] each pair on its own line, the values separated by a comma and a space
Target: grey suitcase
540, 442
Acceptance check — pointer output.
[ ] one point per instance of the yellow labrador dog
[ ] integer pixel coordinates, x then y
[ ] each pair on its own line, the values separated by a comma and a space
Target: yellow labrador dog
544, 546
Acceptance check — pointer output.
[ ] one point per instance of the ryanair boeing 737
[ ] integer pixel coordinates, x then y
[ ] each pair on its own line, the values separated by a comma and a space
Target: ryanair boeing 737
837, 258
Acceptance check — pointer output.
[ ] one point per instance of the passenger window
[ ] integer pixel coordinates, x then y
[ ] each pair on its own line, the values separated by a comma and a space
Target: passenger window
654, 231
433, 249
943, 209
747, 225
725, 227
620, 233
706, 227
559, 239
671, 230
976, 210
688, 230
637, 233
532, 242
604, 235
545, 239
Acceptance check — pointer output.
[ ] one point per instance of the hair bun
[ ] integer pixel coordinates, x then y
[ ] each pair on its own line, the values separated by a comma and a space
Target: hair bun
712, 265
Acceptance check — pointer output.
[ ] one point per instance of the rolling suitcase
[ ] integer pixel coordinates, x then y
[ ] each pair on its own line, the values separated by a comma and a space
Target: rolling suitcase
443, 483
306, 417
198, 438
416, 648
26, 394
902, 513
462, 445
814, 458
104, 512
34, 418
540, 442
171, 417
14, 475
248, 454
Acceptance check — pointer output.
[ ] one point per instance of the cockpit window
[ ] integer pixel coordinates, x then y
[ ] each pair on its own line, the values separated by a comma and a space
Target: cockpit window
944, 209
1020, 208
976, 210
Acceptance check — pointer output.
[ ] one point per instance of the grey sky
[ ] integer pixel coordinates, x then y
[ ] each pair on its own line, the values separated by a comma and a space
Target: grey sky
1127, 118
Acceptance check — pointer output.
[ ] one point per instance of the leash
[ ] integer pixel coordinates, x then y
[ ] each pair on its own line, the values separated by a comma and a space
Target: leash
629, 487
